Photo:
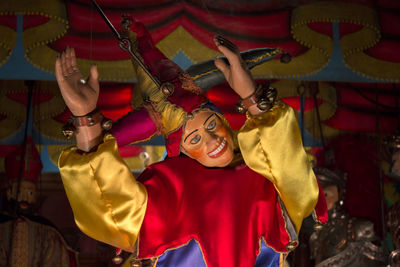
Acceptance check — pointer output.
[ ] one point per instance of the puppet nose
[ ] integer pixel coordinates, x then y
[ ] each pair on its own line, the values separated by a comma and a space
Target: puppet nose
211, 138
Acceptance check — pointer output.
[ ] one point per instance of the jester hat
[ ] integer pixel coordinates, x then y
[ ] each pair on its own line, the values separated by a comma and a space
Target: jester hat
168, 108
23, 163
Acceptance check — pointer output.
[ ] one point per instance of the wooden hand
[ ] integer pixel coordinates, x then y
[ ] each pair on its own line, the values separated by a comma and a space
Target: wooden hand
80, 96
236, 73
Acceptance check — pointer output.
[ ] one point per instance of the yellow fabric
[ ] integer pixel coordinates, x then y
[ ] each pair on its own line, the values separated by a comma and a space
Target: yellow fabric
172, 116
108, 204
271, 145
8, 38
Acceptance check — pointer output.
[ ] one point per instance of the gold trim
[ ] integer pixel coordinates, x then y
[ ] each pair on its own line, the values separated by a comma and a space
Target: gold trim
12, 109
314, 60
272, 53
8, 38
39, 36
353, 45
51, 129
8, 127
180, 40
52, 107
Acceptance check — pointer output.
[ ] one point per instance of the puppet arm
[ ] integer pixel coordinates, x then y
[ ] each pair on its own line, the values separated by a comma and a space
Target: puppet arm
271, 145
108, 203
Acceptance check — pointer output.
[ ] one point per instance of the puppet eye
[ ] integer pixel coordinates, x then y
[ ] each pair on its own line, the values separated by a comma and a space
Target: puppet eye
195, 139
211, 126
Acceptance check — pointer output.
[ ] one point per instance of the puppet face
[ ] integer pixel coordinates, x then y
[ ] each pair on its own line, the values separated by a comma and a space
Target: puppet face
208, 140
26, 195
331, 195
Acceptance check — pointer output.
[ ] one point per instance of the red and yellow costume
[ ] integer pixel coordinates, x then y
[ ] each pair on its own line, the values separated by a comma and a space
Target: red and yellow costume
226, 210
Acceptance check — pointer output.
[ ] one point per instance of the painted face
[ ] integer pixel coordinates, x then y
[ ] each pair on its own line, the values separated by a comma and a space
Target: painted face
208, 140
26, 195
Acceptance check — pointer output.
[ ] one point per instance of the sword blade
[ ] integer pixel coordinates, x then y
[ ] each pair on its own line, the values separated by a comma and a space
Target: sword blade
108, 22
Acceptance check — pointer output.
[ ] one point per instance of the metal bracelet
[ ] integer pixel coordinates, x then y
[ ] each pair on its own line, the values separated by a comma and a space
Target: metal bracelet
264, 97
92, 118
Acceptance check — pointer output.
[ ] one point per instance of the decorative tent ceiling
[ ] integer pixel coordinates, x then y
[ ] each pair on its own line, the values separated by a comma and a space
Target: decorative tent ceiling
343, 43
368, 32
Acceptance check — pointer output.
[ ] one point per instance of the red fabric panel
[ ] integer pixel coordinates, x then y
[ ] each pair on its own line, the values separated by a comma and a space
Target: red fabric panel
321, 27
388, 48
321, 207
96, 49
262, 25
359, 122
251, 31
31, 21
226, 210
64, 116
22, 97
389, 22
115, 114
115, 99
357, 110
236, 120
129, 151
86, 18
135, 126
29, 167
222, 96
361, 95
125, 3
7, 149
115, 95
357, 156
9, 21
294, 102
390, 4
347, 28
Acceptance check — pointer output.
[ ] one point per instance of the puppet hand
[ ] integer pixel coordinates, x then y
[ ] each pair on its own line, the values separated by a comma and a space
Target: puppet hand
236, 73
79, 95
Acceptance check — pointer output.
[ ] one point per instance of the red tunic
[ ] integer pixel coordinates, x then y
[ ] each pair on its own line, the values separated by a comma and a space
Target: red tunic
227, 210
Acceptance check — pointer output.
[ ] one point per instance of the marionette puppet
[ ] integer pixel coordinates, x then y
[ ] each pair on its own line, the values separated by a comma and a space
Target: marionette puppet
26, 238
220, 198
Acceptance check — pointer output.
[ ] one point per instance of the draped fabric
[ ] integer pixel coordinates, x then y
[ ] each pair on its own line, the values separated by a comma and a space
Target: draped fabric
368, 33
222, 208
108, 203
278, 148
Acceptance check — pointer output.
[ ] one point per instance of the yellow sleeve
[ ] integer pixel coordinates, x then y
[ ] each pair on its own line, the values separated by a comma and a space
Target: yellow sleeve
271, 146
108, 203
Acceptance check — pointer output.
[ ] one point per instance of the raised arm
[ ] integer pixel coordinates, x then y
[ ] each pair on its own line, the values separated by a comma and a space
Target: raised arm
108, 203
236, 73
270, 142
80, 96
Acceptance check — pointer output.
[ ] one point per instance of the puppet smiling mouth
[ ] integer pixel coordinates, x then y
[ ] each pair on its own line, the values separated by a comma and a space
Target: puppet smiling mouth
219, 150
